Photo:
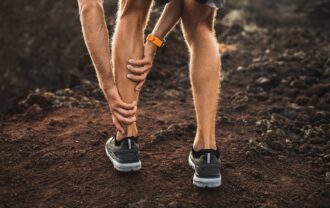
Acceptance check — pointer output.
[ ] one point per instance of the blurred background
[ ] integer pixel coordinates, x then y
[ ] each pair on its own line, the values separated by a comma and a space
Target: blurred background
42, 46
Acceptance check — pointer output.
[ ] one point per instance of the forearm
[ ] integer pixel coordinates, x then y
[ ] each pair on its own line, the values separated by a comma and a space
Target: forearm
169, 18
97, 40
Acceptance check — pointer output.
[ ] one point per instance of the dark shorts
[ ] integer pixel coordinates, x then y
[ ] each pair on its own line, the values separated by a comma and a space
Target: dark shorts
211, 3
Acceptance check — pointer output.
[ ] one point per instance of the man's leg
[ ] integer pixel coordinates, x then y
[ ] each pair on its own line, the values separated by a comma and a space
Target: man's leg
128, 44
198, 22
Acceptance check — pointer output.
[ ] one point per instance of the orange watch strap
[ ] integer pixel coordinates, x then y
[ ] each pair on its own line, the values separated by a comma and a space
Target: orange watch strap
155, 40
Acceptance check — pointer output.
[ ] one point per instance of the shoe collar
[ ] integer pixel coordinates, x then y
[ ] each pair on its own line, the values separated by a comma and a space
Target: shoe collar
207, 152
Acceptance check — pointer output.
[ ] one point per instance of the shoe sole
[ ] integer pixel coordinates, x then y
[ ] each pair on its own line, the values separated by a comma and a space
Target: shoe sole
204, 182
123, 167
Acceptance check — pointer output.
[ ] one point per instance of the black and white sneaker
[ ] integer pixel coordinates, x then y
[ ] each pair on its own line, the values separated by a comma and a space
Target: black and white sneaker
123, 154
206, 164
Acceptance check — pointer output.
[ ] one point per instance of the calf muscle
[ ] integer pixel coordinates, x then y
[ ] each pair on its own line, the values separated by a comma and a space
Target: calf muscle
128, 44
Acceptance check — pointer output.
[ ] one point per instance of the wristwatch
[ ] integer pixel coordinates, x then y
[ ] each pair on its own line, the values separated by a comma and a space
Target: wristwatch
155, 40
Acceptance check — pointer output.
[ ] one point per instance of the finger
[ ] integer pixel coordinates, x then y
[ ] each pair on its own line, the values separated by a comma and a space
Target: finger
127, 106
124, 120
126, 113
137, 78
117, 125
139, 86
139, 70
140, 62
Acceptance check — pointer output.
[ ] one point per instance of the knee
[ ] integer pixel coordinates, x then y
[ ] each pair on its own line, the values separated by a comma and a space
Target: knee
197, 27
193, 32
88, 6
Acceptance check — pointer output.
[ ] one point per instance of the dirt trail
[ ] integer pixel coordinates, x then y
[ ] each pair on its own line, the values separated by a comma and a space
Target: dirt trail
273, 131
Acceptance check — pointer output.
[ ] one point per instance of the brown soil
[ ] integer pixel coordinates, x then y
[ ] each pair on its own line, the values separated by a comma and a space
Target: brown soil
273, 132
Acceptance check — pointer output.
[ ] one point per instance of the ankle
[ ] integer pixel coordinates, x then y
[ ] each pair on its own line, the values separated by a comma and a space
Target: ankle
130, 132
203, 144
202, 147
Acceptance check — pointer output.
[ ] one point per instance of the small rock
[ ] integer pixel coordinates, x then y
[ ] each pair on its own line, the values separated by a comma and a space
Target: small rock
278, 119
239, 100
33, 110
240, 68
302, 100
263, 81
304, 148
52, 122
173, 127
173, 93
56, 123
326, 158
248, 154
262, 125
190, 127
257, 174
159, 136
325, 193
258, 59
262, 96
275, 109
140, 204
282, 157
277, 145
42, 100
301, 84
228, 165
80, 153
174, 204
299, 55
320, 115
317, 140
223, 119
319, 89
315, 151
95, 142
327, 176
45, 161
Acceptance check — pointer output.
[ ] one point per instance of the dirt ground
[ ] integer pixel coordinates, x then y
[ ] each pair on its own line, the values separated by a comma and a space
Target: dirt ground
273, 128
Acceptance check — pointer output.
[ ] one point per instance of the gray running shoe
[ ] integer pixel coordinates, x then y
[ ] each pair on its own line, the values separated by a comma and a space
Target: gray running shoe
123, 154
206, 164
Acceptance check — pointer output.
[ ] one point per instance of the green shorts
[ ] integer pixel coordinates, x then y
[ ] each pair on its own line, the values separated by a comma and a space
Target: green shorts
211, 3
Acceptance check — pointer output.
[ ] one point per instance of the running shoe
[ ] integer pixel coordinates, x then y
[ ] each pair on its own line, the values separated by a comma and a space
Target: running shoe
124, 154
206, 164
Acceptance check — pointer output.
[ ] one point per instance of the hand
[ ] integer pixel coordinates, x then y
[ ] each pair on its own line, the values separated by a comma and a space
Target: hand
122, 113
139, 69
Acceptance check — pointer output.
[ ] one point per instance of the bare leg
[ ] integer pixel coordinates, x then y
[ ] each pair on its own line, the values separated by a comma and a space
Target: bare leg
128, 44
197, 23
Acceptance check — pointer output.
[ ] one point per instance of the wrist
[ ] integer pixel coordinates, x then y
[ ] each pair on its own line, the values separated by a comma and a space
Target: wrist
152, 47
155, 40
